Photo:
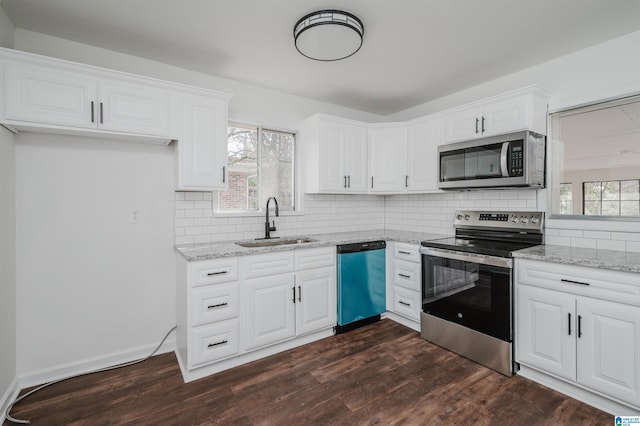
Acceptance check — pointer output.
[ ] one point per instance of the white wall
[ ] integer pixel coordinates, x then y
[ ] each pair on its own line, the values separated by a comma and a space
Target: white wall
7, 266
89, 283
6, 30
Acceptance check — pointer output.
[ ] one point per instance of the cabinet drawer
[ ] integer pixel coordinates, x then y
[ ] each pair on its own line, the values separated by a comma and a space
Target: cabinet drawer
214, 271
406, 251
603, 284
315, 258
406, 303
214, 303
261, 265
407, 274
213, 342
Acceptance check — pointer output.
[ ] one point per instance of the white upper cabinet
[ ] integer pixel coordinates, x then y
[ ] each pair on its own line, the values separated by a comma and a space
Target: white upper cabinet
524, 109
43, 93
335, 155
387, 158
133, 108
202, 143
423, 138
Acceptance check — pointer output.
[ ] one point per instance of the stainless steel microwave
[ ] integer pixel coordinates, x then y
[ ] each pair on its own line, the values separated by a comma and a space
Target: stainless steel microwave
511, 160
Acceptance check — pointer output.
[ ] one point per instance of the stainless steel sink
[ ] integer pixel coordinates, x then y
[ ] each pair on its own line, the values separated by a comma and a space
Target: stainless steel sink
274, 242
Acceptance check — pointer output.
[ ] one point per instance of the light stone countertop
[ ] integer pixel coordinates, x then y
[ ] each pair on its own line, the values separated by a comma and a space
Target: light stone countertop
592, 258
195, 252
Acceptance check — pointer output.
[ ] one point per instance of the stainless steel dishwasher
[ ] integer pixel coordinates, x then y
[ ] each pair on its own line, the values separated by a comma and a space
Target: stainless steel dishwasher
361, 284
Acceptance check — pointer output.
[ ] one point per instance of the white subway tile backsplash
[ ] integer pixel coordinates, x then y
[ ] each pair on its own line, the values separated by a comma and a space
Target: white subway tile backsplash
583, 242
633, 246
625, 236
600, 235
611, 245
573, 233
193, 196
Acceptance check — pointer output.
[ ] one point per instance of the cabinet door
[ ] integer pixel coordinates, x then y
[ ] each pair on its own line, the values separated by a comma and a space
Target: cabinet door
202, 149
422, 156
269, 310
387, 159
355, 158
333, 174
462, 125
44, 95
545, 330
609, 348
133, 108
505, 116
316, 300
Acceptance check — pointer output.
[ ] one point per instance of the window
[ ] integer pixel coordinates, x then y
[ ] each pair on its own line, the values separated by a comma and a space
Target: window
566, 198
595, 160
261, 165
612, 198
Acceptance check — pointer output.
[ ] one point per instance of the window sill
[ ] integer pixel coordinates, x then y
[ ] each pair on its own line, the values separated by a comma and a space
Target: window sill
256, 214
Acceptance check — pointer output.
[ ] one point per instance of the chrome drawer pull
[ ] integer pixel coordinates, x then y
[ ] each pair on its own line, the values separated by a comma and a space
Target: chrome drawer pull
403, 252
217, 305
404, 276
210, 345
573, 282
404, 303
216, 273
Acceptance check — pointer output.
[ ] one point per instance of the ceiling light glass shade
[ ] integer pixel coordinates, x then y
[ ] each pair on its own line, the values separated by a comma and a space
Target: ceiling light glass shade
328, 35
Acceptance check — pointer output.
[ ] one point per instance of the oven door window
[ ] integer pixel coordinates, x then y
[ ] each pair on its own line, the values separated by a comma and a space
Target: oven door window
473, 295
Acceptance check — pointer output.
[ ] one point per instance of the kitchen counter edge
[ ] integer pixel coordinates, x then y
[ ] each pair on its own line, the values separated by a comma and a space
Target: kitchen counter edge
196, 252
614, 260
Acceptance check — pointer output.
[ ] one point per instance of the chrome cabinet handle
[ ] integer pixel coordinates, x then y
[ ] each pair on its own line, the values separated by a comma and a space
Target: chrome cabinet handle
482, 124
217, 305
404, 303
569, 323
371, 182
348, 181
216, 273
403, 252
224, 173
101, 114
404, 276
299, 294
477, 121
93, 118
406, 181
294, 294
345, 181
573, 282
210, 345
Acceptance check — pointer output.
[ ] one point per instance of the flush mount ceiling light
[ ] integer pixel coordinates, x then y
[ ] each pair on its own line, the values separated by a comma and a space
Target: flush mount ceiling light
328, 35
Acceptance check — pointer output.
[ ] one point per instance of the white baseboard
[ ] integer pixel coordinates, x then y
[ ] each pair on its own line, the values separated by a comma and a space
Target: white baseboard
85, 366
9, 396
605, 404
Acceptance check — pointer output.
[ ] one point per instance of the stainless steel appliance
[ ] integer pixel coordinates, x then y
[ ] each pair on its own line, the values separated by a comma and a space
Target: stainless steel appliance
467, 290
361, 284
512, 160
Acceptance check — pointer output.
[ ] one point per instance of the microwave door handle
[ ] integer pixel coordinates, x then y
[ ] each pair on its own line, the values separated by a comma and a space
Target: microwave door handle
503, 159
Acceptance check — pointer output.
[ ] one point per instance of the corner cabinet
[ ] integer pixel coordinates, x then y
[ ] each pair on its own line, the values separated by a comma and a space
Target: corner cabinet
201, 148
334, 151
524, 109
580, 325
235, 310
387, 158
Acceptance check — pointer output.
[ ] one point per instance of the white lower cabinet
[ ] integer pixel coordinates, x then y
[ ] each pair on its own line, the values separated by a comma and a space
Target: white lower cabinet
235, 310
404, 279
566, 327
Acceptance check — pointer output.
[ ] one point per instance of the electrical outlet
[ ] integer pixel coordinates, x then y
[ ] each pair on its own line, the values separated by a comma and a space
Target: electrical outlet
134, 216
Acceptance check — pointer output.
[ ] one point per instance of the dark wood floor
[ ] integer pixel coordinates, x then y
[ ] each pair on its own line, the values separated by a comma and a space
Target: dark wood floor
381, 374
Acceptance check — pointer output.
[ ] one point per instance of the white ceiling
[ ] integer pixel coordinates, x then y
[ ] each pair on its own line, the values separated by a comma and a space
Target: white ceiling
414, 50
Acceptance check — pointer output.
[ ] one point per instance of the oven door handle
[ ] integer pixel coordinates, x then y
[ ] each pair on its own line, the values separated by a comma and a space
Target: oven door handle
503, 159
500, 262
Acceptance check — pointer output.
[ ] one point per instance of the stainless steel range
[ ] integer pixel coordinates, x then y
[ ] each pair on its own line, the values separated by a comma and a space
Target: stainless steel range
467, 287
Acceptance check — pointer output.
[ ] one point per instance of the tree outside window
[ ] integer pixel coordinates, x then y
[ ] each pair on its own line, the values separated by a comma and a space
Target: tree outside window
261, 165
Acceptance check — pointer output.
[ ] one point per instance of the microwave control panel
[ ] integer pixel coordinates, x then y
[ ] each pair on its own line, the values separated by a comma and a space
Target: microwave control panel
516, 157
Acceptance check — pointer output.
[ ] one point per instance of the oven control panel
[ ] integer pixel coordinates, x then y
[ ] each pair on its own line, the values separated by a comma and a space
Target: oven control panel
502, 220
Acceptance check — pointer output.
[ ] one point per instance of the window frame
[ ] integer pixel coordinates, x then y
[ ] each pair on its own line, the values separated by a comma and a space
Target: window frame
298, 196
